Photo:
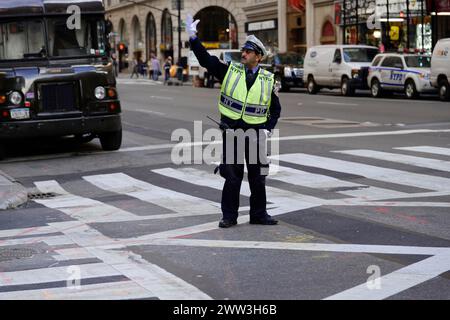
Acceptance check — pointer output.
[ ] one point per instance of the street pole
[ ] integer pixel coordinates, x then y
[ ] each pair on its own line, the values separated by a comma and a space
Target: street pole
179, 30
408, 44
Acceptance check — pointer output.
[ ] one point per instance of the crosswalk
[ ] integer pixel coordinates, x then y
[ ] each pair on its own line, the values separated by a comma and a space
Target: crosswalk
109, 269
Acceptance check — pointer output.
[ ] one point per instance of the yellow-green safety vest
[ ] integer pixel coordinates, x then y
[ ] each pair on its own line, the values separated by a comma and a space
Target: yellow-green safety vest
237, 102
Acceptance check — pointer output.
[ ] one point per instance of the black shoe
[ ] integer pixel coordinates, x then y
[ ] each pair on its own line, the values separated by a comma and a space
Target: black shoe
225, 223
268, 221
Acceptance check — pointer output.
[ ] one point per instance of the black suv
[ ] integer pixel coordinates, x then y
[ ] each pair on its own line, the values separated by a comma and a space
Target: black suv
56, 80
288, 69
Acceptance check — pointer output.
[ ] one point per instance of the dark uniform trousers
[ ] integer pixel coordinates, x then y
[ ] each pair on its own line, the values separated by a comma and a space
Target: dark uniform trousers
233, 172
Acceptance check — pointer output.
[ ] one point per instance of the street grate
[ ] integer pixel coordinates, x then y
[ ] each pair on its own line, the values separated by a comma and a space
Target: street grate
40, 195
16, 253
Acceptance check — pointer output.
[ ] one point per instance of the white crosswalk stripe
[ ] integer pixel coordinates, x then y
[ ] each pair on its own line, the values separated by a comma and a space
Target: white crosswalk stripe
368, 171
87, 271
427, 149
286, 201
323, 182
172, 200
105, 291
401, 158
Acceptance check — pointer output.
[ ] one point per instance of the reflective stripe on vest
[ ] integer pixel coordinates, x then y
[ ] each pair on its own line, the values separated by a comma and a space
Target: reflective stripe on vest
236, 102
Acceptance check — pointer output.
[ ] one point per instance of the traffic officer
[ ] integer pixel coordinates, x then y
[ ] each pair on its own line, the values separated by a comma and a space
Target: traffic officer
246, 103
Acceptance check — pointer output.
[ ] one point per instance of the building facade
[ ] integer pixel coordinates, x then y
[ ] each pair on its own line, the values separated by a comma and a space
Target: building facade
393, 25
143, 28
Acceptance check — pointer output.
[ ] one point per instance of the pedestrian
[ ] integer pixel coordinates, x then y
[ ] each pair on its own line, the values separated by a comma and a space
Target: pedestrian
246, 103
115, 64
135, 68
167, 66
156, 68
144, 69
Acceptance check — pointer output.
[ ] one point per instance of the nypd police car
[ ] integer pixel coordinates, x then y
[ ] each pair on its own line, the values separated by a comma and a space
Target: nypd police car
408, 73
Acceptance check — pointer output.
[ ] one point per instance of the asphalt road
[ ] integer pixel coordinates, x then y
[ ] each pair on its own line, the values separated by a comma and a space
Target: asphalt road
362, 193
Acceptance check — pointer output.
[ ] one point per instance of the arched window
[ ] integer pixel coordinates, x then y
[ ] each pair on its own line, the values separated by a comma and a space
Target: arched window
137, 34
123, 31
328, 35
166, 34
218, 28
150, 35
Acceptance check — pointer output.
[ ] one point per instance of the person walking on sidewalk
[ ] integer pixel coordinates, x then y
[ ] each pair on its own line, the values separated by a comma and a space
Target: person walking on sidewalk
135, 68
156, 67
248, 101
167, 66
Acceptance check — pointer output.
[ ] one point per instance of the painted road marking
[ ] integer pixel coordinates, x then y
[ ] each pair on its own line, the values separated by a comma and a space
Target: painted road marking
323, 182
398, 281
287, 138
80, 208
172, 200
428, 149
337, 103
401, 158
369, 171
92, 270
104, 291
286, 201
149, 111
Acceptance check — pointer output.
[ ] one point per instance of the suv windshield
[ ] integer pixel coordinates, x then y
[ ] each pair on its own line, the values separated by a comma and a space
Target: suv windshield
89, 39
359, 54
418, 61
22, 39
293, 59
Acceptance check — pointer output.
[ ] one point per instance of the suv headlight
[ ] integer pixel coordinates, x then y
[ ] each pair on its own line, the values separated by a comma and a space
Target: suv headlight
288, 72
100, 93
355, 73
15, 98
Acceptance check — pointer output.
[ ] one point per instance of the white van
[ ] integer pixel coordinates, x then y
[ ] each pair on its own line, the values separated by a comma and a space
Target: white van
338, 66
225, 55
440, 68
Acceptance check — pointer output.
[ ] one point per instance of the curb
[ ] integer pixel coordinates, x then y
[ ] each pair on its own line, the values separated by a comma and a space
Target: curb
12, 193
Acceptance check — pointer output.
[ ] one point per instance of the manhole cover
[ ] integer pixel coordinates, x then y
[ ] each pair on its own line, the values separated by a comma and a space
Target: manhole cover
16, 253
40, 195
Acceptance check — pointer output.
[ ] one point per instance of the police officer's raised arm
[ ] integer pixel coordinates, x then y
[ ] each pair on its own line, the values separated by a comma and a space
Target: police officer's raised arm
212, 63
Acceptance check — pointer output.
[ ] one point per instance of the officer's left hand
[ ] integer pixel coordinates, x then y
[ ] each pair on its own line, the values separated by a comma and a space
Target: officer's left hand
191, 25
268, 133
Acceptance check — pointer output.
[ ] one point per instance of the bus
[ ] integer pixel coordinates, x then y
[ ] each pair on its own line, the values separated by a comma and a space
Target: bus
56, 73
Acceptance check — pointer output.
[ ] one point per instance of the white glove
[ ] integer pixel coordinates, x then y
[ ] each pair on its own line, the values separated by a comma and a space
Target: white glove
191, 25
267, 133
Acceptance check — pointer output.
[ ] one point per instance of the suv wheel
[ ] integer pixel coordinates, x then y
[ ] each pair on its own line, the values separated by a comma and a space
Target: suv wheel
444, 90
375, 89
410, 90
312, 86
111, 141
346, 88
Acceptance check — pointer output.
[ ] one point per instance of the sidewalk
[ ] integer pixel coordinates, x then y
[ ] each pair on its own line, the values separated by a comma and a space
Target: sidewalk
12, 193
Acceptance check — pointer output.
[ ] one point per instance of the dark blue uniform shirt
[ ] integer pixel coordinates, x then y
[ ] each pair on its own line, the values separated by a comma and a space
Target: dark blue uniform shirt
219, 70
